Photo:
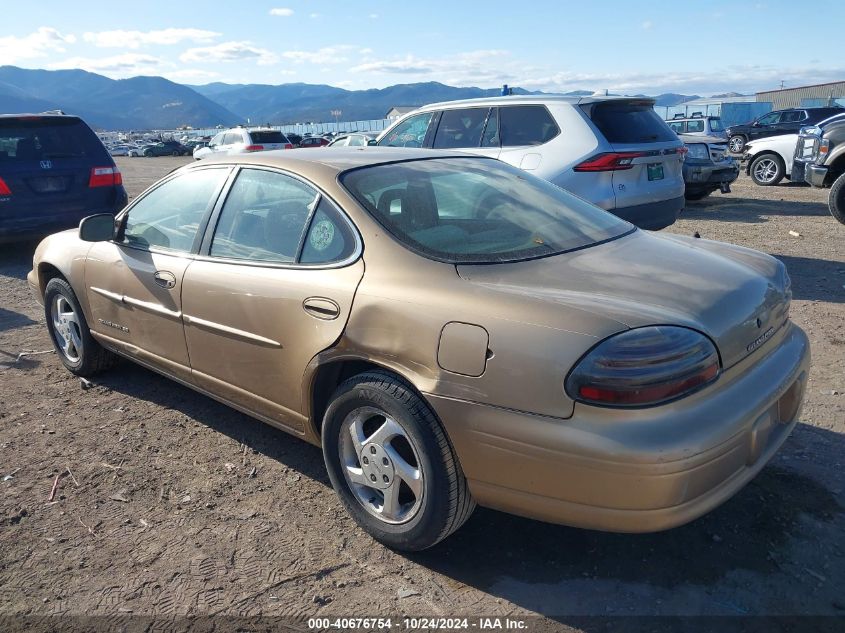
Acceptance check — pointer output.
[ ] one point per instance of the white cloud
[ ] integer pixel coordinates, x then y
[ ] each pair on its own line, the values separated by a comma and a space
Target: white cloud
314, 16
647, 25
374, 16
469, 68
125, 65
327, 55
282, 12
40, 43
135, 39
230, 52
190, 75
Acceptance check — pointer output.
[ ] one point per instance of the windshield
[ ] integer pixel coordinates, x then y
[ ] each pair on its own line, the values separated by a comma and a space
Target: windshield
716, 125
477, 210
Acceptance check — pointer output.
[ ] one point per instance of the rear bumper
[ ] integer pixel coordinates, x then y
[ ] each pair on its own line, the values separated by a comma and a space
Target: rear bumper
30, 224
634, 470
653, 215
709, 176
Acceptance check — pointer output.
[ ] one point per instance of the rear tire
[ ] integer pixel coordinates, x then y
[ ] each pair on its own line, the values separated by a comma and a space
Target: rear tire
836, 202
79, 352
736, 144
767, 170
392, 465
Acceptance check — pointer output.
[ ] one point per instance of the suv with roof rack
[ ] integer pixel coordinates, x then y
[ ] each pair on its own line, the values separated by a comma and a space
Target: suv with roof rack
615, 152
697, 124
54, 171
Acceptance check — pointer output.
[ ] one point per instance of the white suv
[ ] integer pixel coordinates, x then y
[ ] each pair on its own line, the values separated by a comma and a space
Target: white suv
241, 140
615, 152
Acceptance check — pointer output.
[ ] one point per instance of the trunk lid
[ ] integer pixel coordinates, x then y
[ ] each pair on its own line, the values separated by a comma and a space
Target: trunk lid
734, 295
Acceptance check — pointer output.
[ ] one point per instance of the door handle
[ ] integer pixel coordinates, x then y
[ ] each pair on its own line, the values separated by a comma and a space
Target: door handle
321, 308
164, 278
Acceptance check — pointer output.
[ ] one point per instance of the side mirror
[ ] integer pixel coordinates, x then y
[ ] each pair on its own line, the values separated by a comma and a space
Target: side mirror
372, 141
97, 228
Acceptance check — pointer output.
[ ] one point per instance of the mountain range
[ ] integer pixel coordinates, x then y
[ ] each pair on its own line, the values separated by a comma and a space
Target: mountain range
157, 103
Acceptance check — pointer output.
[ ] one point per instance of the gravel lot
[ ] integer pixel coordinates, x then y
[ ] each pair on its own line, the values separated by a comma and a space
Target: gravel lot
181, 506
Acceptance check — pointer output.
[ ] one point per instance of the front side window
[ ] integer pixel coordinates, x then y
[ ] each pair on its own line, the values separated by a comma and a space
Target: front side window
264, 217
526, 125
460, 128
769, 119
695, 126
356, 141
409, 133
475, 210
170, 215
716, 125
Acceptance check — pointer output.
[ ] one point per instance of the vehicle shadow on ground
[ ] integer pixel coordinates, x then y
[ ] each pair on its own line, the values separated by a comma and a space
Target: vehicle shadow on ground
541, 567
731, 209
137, 382
10, 320
815, 279
16, 259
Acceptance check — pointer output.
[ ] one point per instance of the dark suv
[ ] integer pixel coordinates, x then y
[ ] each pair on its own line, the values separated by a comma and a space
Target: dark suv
54, 171
820, 160
776, 122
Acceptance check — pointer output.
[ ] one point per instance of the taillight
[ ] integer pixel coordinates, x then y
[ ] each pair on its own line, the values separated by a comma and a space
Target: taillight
253, 148
288, 146
644, 366
105, 177
610, 161
4, 188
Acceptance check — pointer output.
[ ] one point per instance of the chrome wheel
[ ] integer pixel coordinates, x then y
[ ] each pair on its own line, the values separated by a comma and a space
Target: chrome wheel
66, 328
381, 465
736, 144
765, 170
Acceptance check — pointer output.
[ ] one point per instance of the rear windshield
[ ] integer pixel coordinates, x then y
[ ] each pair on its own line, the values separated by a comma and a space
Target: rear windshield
267, 136
626, 122
42, 138
477, 210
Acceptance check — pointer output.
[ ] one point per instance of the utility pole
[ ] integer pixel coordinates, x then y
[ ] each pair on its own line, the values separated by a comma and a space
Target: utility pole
781, 84
336, 114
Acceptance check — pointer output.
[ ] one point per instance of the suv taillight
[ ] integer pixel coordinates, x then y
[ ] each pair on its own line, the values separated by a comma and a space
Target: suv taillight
4, 188
105, 177
288, 146
610, 161
253, 148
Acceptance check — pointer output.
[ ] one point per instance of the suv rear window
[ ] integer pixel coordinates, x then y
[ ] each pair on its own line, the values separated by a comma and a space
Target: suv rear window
43, 138
267, 136
625, 122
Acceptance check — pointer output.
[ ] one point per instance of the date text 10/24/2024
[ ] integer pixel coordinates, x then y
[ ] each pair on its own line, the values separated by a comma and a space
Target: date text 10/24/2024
419, 623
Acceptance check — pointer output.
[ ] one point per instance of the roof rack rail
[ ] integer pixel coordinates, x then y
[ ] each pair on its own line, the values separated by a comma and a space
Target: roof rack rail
57, 111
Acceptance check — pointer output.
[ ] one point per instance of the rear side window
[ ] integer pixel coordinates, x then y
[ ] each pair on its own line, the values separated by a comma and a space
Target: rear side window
409, 133
267, 136
526, 125
231, 138
695, 126
460, 128
45, 138
626, 122
677, 127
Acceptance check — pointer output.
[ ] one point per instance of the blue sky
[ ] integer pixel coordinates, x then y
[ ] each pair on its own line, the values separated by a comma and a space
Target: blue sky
642, 46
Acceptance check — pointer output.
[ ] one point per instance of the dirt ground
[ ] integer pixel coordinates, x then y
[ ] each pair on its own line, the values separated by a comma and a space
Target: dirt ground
180, 506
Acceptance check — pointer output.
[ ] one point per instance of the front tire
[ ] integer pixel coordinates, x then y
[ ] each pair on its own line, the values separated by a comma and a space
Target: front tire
736, 144
836, 201
392, 465
75, 347
767, 170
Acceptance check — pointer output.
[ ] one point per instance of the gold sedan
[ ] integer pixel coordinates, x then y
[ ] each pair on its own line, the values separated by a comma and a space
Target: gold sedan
451, 330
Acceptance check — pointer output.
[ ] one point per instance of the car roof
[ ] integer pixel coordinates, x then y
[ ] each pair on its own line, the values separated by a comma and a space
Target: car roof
531, 100
38, 115
336, 159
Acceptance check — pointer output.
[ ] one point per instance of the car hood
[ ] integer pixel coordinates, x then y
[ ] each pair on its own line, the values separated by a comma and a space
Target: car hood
734, 295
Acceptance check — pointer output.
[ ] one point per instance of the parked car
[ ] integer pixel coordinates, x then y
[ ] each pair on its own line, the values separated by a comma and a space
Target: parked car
615, 152
314, 141
355, 139
119, 150
166, 148
698, 125
775, 123
136, 150
820, 160
53, 172
507, 343
707, 166
769, 160
241, 140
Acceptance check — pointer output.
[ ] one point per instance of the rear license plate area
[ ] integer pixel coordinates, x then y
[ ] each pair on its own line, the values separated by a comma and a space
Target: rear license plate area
655, 171
49, 184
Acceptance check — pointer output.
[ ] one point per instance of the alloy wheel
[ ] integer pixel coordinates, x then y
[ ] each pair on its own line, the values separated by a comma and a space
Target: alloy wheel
765, 170
66, 328
381, 465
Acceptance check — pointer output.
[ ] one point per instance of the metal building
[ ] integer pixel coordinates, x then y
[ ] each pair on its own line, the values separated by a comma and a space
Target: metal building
807, 96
